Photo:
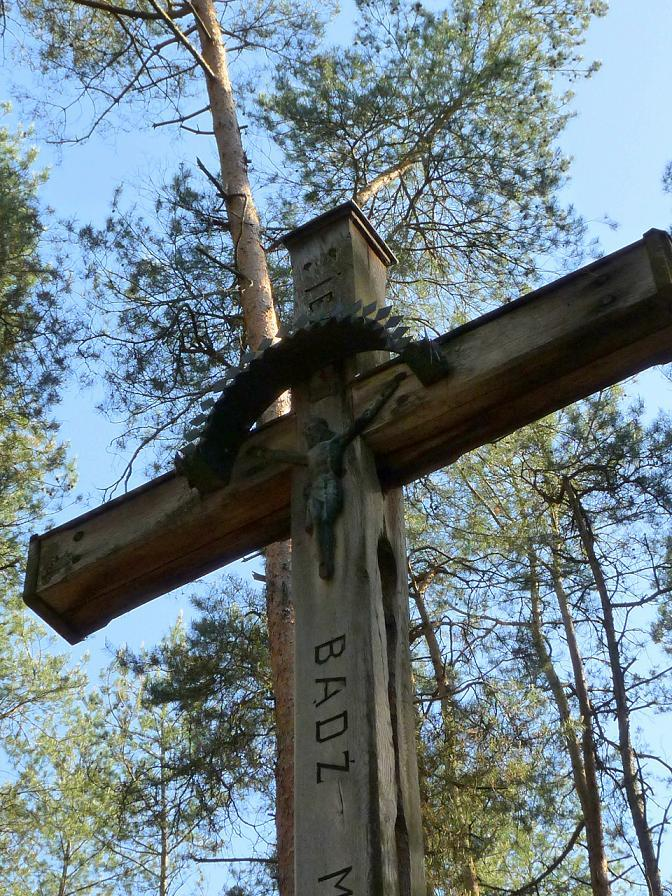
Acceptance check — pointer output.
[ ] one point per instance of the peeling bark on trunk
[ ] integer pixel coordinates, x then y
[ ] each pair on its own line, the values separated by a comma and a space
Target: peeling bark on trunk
256, 295
582, 755
634, 792
256, 298
471, 883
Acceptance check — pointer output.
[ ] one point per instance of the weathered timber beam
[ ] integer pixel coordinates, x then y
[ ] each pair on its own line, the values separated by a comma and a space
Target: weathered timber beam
561, 343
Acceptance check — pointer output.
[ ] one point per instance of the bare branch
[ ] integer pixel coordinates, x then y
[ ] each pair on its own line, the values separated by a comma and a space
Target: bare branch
119, 10
182, 37
226, 267
199, 19
531, 886
262, 861
182, 118
217, 184
197, 131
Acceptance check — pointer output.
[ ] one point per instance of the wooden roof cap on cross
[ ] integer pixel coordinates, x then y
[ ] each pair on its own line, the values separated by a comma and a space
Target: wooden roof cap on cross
350, 213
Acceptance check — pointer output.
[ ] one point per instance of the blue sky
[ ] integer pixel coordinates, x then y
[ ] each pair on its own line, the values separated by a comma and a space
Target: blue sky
621, 139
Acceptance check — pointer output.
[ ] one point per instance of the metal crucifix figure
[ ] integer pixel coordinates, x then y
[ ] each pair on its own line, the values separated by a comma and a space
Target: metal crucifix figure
324, 490
324, 460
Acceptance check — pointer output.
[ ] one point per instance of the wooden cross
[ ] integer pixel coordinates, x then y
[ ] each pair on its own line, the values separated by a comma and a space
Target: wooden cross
358, 827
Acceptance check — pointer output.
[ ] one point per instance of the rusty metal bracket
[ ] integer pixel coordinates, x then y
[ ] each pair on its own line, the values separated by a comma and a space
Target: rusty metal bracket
427, 360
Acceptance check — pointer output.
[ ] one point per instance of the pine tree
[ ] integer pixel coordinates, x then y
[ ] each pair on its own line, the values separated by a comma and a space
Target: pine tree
216, 678
160, 819
514, 551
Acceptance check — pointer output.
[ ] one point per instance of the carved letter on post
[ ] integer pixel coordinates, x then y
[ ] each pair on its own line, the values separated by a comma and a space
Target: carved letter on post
357, 801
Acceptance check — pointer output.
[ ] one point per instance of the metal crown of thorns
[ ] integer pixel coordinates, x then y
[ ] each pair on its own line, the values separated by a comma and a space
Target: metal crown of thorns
312, 343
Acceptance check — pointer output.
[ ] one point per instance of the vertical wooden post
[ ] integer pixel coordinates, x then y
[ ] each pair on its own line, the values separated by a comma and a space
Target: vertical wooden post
357, 807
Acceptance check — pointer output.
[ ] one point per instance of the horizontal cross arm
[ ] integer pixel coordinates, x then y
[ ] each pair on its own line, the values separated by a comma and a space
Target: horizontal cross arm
508, 368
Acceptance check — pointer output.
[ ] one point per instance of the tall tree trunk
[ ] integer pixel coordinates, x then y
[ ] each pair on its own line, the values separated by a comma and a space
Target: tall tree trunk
256, 296
280, 615
582, 756
633, 790
261, 322
592, 810
163, 858
470, 885
64, 869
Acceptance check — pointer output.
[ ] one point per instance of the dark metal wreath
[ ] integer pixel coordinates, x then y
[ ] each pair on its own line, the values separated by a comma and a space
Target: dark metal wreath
312, 344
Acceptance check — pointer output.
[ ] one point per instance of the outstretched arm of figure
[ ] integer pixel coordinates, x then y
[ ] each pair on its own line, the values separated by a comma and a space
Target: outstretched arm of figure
278, 455
367, 417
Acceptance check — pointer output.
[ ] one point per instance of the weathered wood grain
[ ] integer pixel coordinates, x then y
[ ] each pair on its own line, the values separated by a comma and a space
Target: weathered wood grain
345, 790
580, 334
557, 345
358, 827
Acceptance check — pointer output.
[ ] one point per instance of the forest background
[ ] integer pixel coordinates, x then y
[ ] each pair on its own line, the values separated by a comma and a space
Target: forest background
121, 783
